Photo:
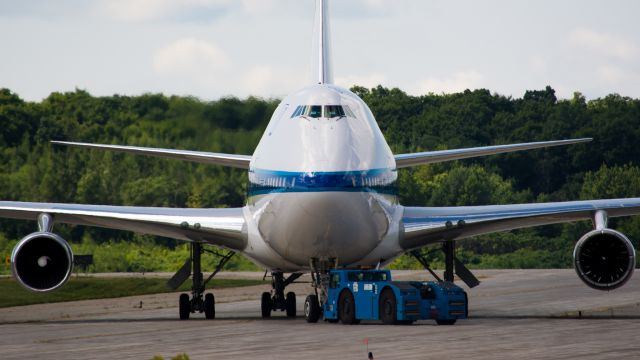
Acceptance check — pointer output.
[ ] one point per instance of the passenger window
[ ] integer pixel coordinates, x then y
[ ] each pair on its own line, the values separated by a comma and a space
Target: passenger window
352, 276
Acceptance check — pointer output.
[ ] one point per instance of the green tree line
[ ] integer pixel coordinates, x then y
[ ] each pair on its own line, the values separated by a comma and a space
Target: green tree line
31, 169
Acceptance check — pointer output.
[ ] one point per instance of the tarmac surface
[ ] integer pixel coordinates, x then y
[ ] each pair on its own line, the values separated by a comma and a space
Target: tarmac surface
514, 314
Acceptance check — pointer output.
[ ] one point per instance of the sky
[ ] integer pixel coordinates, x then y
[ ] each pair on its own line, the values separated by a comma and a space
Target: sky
216, 48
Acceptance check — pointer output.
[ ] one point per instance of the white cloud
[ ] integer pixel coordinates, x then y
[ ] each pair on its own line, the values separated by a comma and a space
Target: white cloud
264, 80
258, 79
135, 9
144, 10
604, 44
459, 81
189, 57
368, 81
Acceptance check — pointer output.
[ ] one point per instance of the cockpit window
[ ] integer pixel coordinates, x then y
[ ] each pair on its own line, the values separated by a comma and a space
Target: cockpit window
297, 112
331, 111
316, 111
348, 111
312, 111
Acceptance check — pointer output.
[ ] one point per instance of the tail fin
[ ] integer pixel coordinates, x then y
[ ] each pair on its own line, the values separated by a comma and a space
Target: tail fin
322, 71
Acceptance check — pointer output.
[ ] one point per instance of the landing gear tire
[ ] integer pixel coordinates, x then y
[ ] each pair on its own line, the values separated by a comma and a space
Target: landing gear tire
311, 309
185, 307
446, 322
209, 306
347, 308
290, 304
388, 307
265, 305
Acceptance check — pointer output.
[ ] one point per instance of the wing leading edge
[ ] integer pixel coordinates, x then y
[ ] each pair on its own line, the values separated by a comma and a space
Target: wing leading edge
428, 157
231, 160
427, 225
221, 227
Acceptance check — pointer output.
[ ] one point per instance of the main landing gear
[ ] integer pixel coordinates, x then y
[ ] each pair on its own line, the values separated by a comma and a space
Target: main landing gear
276, 299
192, 267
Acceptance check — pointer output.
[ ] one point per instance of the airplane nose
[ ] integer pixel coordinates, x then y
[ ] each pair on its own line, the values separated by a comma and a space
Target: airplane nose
344, 225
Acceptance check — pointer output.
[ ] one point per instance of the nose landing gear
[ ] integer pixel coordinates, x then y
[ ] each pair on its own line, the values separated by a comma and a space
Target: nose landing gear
320, 282
278, 301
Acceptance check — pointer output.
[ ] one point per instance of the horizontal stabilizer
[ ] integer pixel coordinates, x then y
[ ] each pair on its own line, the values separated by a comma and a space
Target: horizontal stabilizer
429, 157
231, 160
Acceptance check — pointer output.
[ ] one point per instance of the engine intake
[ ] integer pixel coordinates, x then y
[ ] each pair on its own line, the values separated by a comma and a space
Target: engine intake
42, 261
604, 259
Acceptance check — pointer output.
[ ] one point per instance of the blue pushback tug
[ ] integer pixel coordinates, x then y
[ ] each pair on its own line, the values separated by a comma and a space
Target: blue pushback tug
355, 295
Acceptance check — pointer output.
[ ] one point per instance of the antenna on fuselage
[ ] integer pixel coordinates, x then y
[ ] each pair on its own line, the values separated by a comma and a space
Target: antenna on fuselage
322, 44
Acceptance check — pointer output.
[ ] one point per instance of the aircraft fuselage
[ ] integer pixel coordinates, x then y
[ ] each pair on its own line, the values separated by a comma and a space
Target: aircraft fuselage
322, 182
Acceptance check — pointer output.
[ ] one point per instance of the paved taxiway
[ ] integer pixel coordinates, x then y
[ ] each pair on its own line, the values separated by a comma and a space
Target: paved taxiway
525, 314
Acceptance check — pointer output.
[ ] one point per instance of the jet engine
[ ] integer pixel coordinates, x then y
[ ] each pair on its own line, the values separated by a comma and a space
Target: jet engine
42, 261
604, 259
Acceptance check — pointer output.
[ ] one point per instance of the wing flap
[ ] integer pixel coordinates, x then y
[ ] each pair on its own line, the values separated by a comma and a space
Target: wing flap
427, 225
428, 157
231, 160
221, 227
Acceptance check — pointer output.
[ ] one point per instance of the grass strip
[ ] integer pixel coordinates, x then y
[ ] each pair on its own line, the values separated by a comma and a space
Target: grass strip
85, 288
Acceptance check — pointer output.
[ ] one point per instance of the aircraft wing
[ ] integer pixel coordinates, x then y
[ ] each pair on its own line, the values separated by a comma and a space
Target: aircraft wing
428, 157
221, 227
232, 160
427, 225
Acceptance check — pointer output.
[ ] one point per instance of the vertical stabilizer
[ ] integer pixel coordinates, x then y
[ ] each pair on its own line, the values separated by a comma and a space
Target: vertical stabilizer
322, 72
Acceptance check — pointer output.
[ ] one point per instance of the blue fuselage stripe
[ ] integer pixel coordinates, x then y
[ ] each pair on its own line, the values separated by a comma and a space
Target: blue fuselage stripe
373, 180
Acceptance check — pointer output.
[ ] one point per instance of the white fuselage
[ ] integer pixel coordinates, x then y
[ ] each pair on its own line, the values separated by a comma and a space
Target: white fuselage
322, 184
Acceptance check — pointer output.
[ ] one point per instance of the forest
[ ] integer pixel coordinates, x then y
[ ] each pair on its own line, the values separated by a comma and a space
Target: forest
31, 169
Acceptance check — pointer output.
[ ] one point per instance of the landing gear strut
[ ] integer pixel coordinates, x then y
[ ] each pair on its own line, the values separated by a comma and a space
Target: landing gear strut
452, 266
278, 301
449, 248
320, 282
199, 301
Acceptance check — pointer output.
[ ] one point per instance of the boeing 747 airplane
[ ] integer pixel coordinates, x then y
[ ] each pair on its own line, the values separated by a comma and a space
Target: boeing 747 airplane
322, 194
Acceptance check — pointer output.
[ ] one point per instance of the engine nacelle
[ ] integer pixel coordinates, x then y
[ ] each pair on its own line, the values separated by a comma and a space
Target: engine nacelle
42, 261
604, 259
